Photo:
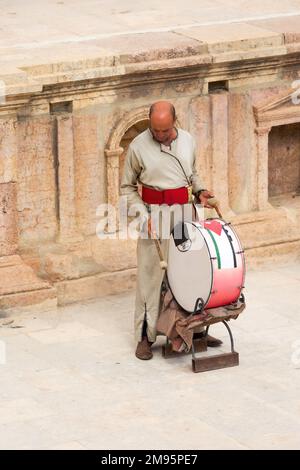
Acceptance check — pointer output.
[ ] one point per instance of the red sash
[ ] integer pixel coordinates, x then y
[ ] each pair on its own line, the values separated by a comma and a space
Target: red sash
166, 196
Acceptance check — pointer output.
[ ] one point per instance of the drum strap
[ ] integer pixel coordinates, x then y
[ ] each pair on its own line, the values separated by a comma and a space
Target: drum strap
188, 179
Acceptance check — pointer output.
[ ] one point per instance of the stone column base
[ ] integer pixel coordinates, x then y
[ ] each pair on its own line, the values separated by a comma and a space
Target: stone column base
20, 286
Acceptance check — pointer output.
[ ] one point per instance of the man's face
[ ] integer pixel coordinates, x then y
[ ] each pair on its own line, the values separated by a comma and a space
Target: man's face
162, 127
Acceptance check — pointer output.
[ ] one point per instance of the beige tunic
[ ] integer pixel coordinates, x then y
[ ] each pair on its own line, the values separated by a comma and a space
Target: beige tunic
148, 162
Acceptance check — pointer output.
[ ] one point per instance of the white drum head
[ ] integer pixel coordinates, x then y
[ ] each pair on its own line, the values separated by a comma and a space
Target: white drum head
189, 267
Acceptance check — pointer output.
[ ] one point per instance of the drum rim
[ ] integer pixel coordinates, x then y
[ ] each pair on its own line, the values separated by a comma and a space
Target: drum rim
242, 255
240, 247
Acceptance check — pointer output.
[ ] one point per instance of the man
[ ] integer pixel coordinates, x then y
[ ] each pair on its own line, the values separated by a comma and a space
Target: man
162, 160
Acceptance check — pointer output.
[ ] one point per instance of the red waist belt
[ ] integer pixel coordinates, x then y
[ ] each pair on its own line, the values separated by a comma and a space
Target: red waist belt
166, 196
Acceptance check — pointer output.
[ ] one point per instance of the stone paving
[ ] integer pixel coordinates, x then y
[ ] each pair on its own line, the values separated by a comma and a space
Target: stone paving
70, 380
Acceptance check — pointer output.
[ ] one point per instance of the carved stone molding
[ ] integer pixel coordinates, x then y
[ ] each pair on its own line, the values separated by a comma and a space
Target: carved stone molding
284, 109
127, 121
114, 150
262, 131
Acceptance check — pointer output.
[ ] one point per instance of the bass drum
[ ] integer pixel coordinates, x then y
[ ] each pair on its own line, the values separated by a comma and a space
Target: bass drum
206, 262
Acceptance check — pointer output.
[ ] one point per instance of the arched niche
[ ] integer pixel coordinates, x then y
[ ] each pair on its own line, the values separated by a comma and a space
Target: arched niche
128, 127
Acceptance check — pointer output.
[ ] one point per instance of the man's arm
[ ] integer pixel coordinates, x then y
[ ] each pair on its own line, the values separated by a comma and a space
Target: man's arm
129, 187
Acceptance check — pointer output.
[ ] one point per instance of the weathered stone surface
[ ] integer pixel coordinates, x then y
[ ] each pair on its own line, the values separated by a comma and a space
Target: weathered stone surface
8, 150
241, 153
88, 177
66, 191
37, 190
8, 219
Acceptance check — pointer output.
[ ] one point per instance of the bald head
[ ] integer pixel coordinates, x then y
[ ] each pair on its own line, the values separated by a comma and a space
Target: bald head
160, 108
162, 120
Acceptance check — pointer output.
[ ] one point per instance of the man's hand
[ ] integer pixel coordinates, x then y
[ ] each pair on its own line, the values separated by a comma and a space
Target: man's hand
204, 196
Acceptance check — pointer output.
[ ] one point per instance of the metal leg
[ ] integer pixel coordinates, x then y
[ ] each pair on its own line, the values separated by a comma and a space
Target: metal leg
202, 364
218, 361
166, 349
230, 335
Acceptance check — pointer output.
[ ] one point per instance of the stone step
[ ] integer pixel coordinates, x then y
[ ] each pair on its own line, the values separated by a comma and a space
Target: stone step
38, 300
274, 253
20, 286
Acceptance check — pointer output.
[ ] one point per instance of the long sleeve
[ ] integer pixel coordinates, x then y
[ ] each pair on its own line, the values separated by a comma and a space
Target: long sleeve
129, 188
197, 184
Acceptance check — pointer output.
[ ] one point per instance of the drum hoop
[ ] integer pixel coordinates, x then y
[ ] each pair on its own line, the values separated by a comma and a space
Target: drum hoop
240, 247
242, 256
241, 253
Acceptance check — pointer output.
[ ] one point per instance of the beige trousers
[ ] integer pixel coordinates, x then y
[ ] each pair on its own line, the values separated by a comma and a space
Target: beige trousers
149, 280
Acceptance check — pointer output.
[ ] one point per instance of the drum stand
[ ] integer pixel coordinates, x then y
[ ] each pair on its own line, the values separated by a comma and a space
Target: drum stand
203, 364
219, 361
